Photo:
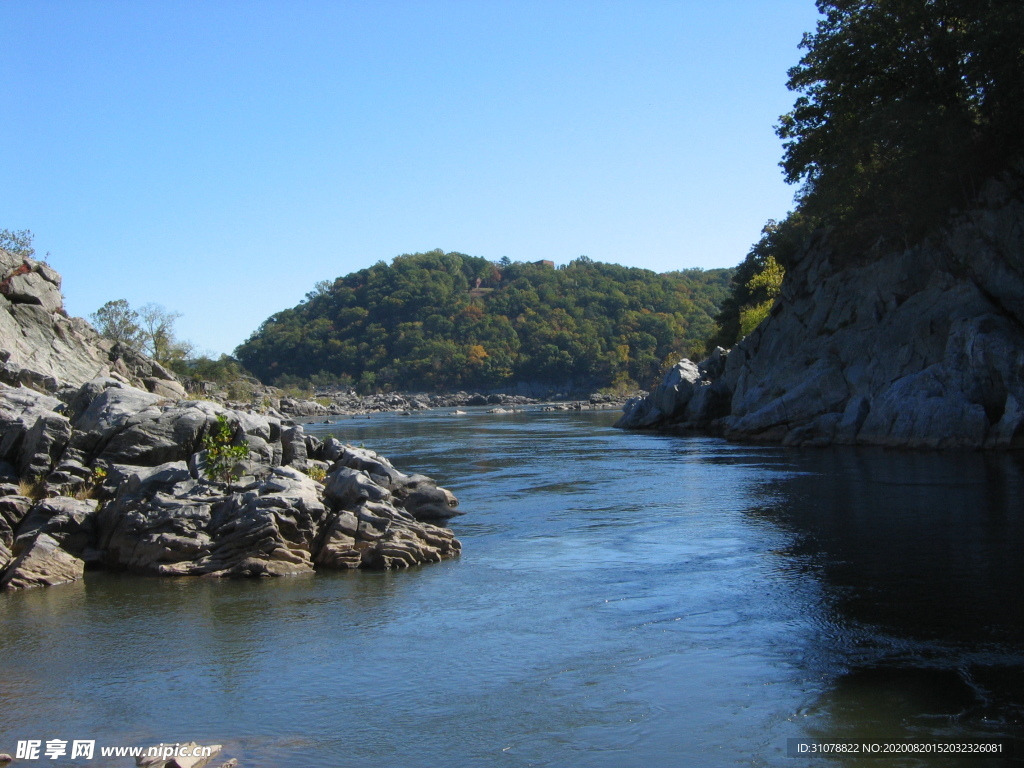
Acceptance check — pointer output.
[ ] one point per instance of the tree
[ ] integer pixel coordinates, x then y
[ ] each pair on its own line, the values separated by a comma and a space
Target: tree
149, 330
18, 242
159, 340
905, 107
117, 321
222, 451
764, 288
757, 281
448, 320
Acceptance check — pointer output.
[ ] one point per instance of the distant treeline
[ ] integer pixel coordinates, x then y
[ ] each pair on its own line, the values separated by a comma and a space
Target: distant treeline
437, 321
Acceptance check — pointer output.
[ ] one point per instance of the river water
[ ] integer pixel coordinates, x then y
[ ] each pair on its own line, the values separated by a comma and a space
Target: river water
622, 599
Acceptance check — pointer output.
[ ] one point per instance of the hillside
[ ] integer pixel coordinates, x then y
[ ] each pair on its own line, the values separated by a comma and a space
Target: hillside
900, 318
436, 321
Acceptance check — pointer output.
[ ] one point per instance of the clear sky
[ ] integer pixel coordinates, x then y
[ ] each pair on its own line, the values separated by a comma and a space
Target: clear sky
221, 157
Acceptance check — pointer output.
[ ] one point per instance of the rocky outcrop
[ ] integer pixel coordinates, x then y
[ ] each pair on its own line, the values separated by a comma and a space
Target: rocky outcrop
124, 480
690, 394
921, 348
103, 463
42, 563
41, 347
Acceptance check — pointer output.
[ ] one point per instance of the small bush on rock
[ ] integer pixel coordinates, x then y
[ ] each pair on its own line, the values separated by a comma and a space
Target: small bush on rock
221, 455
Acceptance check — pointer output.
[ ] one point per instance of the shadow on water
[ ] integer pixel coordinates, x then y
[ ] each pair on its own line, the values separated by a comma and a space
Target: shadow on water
920, 561
622, 600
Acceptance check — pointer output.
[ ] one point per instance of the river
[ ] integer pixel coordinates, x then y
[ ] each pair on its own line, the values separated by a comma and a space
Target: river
622, 599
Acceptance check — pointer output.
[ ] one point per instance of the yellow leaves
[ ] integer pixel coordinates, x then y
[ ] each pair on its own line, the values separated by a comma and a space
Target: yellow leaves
766, 283
476, 355
768, 279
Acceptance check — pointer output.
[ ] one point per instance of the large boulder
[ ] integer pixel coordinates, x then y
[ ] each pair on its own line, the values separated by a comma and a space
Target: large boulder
41, 563
418, 494
690, 396
157, 520
379, 535
32, 432
345, 487
68, 521
269, 530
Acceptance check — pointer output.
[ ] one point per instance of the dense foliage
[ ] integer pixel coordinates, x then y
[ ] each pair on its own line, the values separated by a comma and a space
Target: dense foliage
905, 108
756, 282
446, 320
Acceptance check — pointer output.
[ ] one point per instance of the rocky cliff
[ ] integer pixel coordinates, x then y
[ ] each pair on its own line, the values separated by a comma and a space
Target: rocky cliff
41, 347
104, 463
918, 348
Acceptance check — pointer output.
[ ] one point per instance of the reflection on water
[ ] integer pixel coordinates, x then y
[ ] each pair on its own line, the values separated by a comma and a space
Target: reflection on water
622, 600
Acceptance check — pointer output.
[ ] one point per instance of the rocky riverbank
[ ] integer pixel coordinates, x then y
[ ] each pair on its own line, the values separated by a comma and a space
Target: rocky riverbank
112, 476
331, 403
348, 403
920, 348
105, 463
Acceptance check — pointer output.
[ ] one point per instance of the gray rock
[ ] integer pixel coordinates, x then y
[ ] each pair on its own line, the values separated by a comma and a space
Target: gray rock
269, 531
676, 389
379, 535
42, 563
332, 449
428, 501
43, 445
20, 408
44, 348
13, 509
154, 510
916, 348
920, 348
688, 395
70, 522
431, 503
344, 488
158, 519
33, 288
293, 446
171, 390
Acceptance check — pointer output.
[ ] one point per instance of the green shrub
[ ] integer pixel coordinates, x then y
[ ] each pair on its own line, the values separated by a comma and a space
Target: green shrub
221, 455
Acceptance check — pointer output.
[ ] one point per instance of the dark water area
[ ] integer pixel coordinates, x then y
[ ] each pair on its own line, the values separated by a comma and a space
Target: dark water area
622, 600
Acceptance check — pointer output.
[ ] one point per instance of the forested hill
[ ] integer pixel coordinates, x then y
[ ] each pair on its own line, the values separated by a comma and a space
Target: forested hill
436, 321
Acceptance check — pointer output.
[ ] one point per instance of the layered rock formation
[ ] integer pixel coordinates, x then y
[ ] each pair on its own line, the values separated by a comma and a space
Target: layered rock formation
922, 348
120, 473
104, 464
41, 347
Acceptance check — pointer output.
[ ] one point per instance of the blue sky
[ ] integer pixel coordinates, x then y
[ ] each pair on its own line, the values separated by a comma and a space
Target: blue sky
219, 158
